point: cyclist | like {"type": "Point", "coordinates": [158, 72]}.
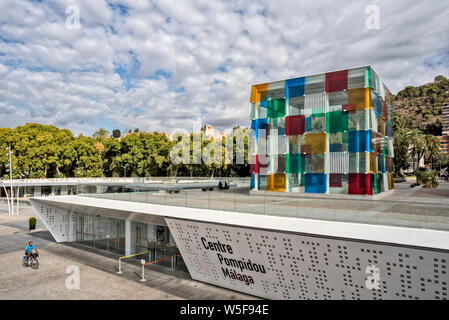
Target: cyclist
{"type": "Point", "coordinates": [29, 251]}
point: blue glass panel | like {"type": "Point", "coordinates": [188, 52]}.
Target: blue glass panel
{"type": "Point", "coordinates": [335, 147]}
{"type": "Point", "coordinates": [382, 163]}
{"type": "Point", "coordinates": [254, 128]}
{"type": "Point", "coordinates": [354, 139]}
{"type": "Point", "coordinates": [294, 87]}
{"type": "Point", "coordinates": [253, 179]}
{"type": "Point", "coordinates": [308, 124]}
{"type": "Point", "coordinates": [388, 130]}
{"type": "Point", "coordinates": [315, 183]}
{"type": "Point", "coordinates": [263, 104]}
{"type": "Point", "coordinates": [281, 131]}
{"type": "Point", "coordinates": [360, 141]}
{"type": "Point", "coordinates": [258, 124]}
{"type": "Point", "coordinates": [368, 141]}
{"type": "Point", "coordinates": [378, 106]}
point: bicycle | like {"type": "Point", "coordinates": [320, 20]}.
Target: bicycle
{"type": "Point", "coordinates": [34, 262]}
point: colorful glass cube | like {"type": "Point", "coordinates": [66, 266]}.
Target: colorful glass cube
{"type": "Point", "coordinates": [326, 133]}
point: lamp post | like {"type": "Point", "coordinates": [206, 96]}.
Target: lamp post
{"type": "Point", "coordinates": [10, 178]}
{"type": "Point", "coordinates": [7, 197]}
{"type": "Point", "coordinates": [124, 168]}
{"type": "Point", "coordinates": [22, 176]}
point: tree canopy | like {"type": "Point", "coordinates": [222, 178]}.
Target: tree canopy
{"type": "Point", "coordinates": [42, 151]}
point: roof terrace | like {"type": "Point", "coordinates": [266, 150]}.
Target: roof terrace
{"type": "Point", "coordinates": [406, 207]}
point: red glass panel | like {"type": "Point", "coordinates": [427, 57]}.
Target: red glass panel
{"type": "Point", "coordinates": [384, 111]}
{"type": "Point", "coordinates": [254, 167]}
{"type": "Point", "coordinates": [378, 143]}
{"type": "Point", "coordinates": [294, 125]}
{"type": "Point", "coordinates": [337, 81]}
{"type": "Point", "coordinates": [360, 183]}
{"type": "Point", "coordinates": [336, 180]}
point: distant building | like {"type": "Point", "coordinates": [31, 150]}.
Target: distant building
{"type": "Point", "coordinates": [445, 120]}
{"type": "Point", "coordinates": [444, 144]}
{"type": "Point", "coordinates": [209, 131]}
{"type": "Point", "coordinates": [444, 139]}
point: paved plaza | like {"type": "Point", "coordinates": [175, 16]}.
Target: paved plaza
{"type": "Point", "coordinates": [97, 269]}
{"type": "Point", "coordinates": [414, 207]}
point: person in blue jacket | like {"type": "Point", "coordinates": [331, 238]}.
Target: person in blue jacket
{"type": "Point", "coordinates": [29, 250]}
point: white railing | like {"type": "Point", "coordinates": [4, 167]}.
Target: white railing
{"type": "Point", "coordinates": [120, 180]}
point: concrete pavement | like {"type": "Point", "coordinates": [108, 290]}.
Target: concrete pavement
{"type": "Point", "coordinates": [97, 270]}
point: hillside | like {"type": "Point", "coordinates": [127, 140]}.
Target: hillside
{"type": "Point", "coordinates": [420, 107]}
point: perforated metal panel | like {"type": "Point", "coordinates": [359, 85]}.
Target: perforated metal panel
{"type": "Point", "coordinates": [57, 221]}
{"type": "Point", "coordinates": [310, 267]}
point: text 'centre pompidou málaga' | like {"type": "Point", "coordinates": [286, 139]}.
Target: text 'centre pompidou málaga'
{"type": "Point", "coordinates": [326, 133]}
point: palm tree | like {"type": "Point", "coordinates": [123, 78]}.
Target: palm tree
{"type": "Point", "coordinates": [418, 146]}
{"type": "Point", "coordinates": [401, 150]}
{"type": "Point", "coordinates": [432, 147]}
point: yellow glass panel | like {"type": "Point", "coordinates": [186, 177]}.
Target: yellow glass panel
{"type": "Point", "coordinates": [368, 98]}
{"type": "Point", "coordinates": [390, 181]}
{"type": "Point", "coordinates": [276, 182]}
{"type": "Point", "coordinates": [252, 99]}
{"type": "Point", "coordinates": [259, 93]}
{"type": "Point", "coordinates": [359, 99]}
{"type": "Point", "coordinates": [316, 142]}
{"type": "Point", "coordinates": [372, 163]}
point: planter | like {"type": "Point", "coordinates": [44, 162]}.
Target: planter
{"type": "Point", "coordinates": [418, 181]}
{"type": "Point", "coordinates": [429, 184]}
{"type": "Point", "coordinates": [32, 223]}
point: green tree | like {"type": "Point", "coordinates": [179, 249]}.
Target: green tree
{"type": "Point", "coordinates": [432, 148]}
{"type": "Point", "coordinates": [88, 161]}
{"type": "Point", "coordinates": [101, 133]}
{"type": "Point", "coordinates": [401, 153]}
{"type": "Point", "coordinates": [418, 146]}
{"type": "Point", "coordinates": [116, 133]}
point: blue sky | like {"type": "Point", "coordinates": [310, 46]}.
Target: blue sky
{"type": "Point", "coordinates": [160, 65]}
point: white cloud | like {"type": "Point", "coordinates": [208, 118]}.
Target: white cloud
{"type": "Point", "coordinates": [212, 51]}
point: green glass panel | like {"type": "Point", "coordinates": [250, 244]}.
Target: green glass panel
{"type": "Point", "coordinates": [276, 108]}
{"type": "Point", "coordinates": [295, 163]}
{"type": "Point", "coordinates": [303, 180]}
{"type": "Point", "coordinates": [338, 121]}
{"type": "Point", "coordinates": [345, 138]}
{"type": "Point", "coordinates": [377, 183]}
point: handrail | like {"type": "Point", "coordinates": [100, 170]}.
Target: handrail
{"type": "Point", "coordinates": [276, 205]}
{"type": "Point", "coordinates": [129, 256]}
{"type": "Point", "coordinates": [177, 255]}
{"type": "Point", "coordinates": [133, 255]}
